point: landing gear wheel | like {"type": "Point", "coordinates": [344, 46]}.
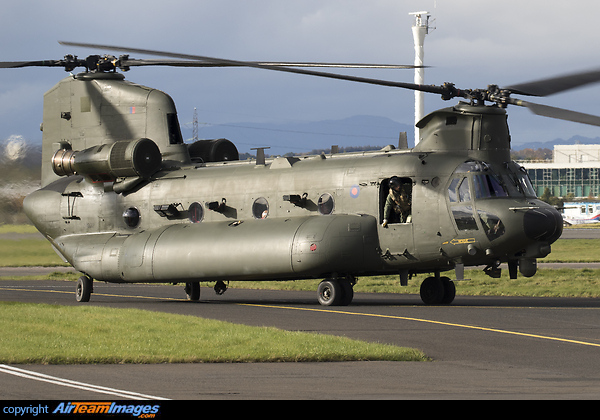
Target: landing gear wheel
{"type": "Point", "coordinates": [432, 291]}
{"type": "Point", "coordinates": [449, 291]}
{"type": "Point", "coordinates": [437, 290]}
{"type": "Point", "coordinates": [329, 292]}
{"type": "Point", "coordinates": [347, 292]}
{"type": "Point", "coordinates": [84, 289]}
{"type": "Point", "coordinates": [192, 291]}
{"type": "Point", "coordinates": [333, 292]}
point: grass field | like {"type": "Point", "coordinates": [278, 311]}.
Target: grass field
{"type": "Point", "coordinates": [574, 250]}
{"type": "Point", "coordinates": [53, 334]}
{"type": "Point", "coordinates": [17, 229]}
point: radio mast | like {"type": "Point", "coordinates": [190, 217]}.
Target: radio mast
{"type": "Point", "coordinates": [419, 30]}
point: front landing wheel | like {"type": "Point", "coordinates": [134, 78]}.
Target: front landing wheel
{"type": "Point", "coordinates": [85, 287]}
{"type": "Point", "coordinates": [437, 290]}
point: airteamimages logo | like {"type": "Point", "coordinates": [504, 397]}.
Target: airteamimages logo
{"type": "Point", "coordinates": [142, 411]}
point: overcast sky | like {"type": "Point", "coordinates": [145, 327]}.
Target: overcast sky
{"type": "Point", "coordinates": [476, 43]}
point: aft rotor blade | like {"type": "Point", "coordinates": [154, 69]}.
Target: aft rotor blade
{"type": "Point", "coordinates": [39, 63]}
{"type": "Point", "coordinates": [545, 87]}
{"type": "Point", "coordinates": [423, 88]}
{"type": "Point", "coordinates": [558, 113]}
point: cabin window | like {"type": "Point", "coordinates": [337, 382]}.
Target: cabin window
{"type": "Point", "coordinates": [396, 207]}
{"type": "Point", "coordinates": [196, 212]}
{"type": "Point", "coordinates": [260, 208]}
{"type": "Point", "coordinates": [325, 204]}
{"type": "Point", "coordinates": [131, 216]}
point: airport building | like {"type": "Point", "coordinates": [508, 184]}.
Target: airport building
{"type": "Point", "coordinates": [574, 169]}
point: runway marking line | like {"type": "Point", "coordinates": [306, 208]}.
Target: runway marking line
{"type": "Point", "coordinates": [28, 374]}
{"type": "Point", "coordinates": [429, 321]}
{"type": "Point", "coordinates": [18, 289]}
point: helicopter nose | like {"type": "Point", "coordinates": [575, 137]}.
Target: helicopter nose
{"type": "Point", "coordinates": [544, 224]}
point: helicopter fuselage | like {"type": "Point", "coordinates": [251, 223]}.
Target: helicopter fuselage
{"type": "Point", "coordinates": [279, 219]}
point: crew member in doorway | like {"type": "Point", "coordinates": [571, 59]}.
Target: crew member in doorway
{"type": "Point", "coordinates": [397, 204]}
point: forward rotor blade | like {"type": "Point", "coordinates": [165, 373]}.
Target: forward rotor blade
{"type": "Point", "coordinates": [554, 85]}
{"type": "Point", "coordinates": [558, 113]}
{"type": "Point", "coordinates": [197, 63]}
{"type": "Point", "coordinates": [221, 61]}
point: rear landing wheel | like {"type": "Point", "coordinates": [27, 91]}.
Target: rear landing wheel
{"type": "Point", "coordinates": [84, 289]}
{"type": "Point", "coordinates": [329, 292]}
{"type": "Point", "coordinates": [335, 292]}
{"type": "Point", "coordinates": [192, 291]}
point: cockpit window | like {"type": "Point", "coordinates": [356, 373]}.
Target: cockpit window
{"type": "Point", "coordinates": [519, 178]}
{"type": "Point", "coordinates": [471, 166]}
{"type": "Point", "coordinates": [463, 216]}
{"type": "Point", "coordinates": [487, 186]}
{"type": "Point", "coordinates": [526, 183]}
{"type": "Point", "coordinates": [492, 225]}
{"type": "Point", "coordinates": [459, 191]}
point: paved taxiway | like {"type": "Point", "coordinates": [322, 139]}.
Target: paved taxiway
{"type": "Point", "coordinates": [483, 347]}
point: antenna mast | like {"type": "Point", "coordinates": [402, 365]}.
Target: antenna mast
{"type": "Point", "coordinates": [419, 30]}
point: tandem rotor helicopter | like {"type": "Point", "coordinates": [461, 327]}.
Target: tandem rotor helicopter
{"type": "Point", "coordinates": [123, 199]}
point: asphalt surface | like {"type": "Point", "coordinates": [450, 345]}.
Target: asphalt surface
{"type": "Point", "coordinates": [482, 348]}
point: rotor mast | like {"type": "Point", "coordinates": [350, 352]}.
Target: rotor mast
{"type": "Point", "coordinates": [419, 30]}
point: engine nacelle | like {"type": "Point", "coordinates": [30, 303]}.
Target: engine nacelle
{"type": "Point", "coordinates": [107, 162]}
{"type": "Point", "coordinates": [219, 150]}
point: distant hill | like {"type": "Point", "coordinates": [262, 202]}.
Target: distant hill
{"type": "Point", "coordinates": [550, 144]}
{"type": "Point", "coordinates": [356, 131]}
{"type": "Point", "coordinates": [299, 137]}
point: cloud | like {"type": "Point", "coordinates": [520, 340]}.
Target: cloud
{"type": "Point", "coordinates": [475, 43]}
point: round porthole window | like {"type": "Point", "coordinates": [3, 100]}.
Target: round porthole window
{"type": "Point", "coordinates": [260, 208]}
{"type": "Point", "coordinates": [195, 213]}
{"type": "Point", "coordinates": [131, 216]}
{"type": "Point", "coordinates": [325, 204]}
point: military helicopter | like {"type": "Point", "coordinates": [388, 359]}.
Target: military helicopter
{"type": "Point", "coordinates": [124, 199]}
